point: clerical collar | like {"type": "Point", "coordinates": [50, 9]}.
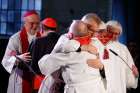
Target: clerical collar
{"type": "Point", "coordinates": [31, 37]}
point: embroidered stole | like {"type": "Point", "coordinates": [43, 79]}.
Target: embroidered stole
{"type": "Point", "coordinates": [27, 77]}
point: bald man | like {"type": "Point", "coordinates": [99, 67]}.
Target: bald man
{"type": "Point", "coordinates": [17, 48]}
{"type": "Point", "coordinates": [93, 22]}
{"type": "Point", "coordinates": [78, 76]}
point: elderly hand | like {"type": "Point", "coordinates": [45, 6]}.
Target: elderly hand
{"type": "Point", "coordinates": [25, 57]}
{"type": "Point", "coordinates": [95, 63]}
{"type": "Point", "coordinates": [135, 71]}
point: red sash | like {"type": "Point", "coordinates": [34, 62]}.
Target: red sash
{"type": "Point", "coordinates": [24, 39]}
{"type": "Point", "coordinates": [104, 41]}
{"type": "Point", "coordinates": [26, 84]}
{"type": "Point", "coordinates": [83, 40]}
{"type": "Point", "coordinates": [37, 81]}
{"type": "Point", "coordinates": [106, 54]}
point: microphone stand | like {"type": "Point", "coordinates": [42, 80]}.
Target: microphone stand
{"type": "Point", "coordinates": [120, 58]}
{"type": "Point", "coordinates": [123, 60]}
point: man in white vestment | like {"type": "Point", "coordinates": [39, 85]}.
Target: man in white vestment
{"type": "Point", "coordinates": [93, 23]}
{"type": "Point", "coordinates": [119, 74]}
{"type": "Point", "coordinates": [78, 76]}
{"type": "Point", "coordinates": [20, 76]}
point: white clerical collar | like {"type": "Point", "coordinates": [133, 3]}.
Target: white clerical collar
{"type": "Point", "coordinates": [31, 37]}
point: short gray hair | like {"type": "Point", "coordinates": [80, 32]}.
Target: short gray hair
{"type": "Point", "coordinates": [92, 16]}
{"type": "Point", "coordinates": [115, 24]}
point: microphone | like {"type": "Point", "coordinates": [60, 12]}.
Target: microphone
{"type": "Point", "coordinates": [113, 52]}
{"type": "Point", "coordinates": [120, 58]}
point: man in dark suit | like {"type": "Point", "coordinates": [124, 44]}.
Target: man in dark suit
{"type": "Point", "coordinates": [42, 46]}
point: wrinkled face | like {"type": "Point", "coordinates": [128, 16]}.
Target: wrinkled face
{"type": "Point", "coordinates": [32, 23]}
{"type": "Point", "coordinates": [104, 36]}
{"type": "Point", "coordinates": [115, 32]}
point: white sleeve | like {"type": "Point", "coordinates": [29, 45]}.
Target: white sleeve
{"type": "Point", "coordinates": [52, 62]}
{"type": "Point", "coordinates": [9, 59]}
{"type": "Point", "coordinates": [131, 80]}
{"type": "Point", "coordinates": [70, 46]}
{"type": "Point", "coordinates": [58, 46]}
{"type": "Point", "coordinates": [46, 85]}
{"type": "Point", "coordinates": [47, 65]}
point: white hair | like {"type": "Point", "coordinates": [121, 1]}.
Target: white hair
{"type": "Point", "coordinates": [115, 24]}
{"type": "Point", "coordinates": [89, 17]}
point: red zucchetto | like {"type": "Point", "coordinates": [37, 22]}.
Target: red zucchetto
{"type": "Point", "coordinates": [49, 22]}
{"type": "Point", "coordinates": [29, 13]}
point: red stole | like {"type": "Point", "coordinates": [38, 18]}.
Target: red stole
{"type": "Point", "coordinates": [24, 39]}
{"type": "Point", "coordinates": [106, 54]}
{"type": "Point", "coordinates": [104, 41]}
{"type": "Point", "coordinates": [85, 40]}
{"type": "Point", "coordinates": [26, 84]}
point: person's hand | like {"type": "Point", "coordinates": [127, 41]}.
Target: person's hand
{"type": "Point", "coordinates": [25, 57]}
{"type": "Point", "coordinates": [95, 63]}
{"type": "Point", "coordinates": [135, 71]}
{"type": "Point", "coordinates": [90, 48]}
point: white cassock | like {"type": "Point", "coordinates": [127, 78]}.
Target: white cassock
{"type": "Point", "coordinates": [9, 61]}
{"type": "Point", "coordinates": [49, 80]}
{"type": "Point", "coordinates": [118, 75]}
{"type": "Point", "coordinates": [61, 41]}
{"type": "Point", "coordinates": [79, 78]}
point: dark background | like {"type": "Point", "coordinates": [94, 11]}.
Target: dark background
{"type": "Point", "coordinates": [125, 11]}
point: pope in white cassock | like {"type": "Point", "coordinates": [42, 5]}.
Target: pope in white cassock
{"type": "Point", "coordinates": [119, 75]}
{"type": "Point", "coordinates": [78, 76]}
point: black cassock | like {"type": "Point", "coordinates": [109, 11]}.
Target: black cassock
{"type": "Point", "coordinates": [38, 49]}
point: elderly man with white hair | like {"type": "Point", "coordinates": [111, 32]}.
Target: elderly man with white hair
{"type": "Point", "coordinates": [127, 74]}
{"type": "Point", "coordinates": [121, 73]}
{"type": "Point", "coordinates": [115, 28]}
{"type": "Point", "coordinates": [17, 48]}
